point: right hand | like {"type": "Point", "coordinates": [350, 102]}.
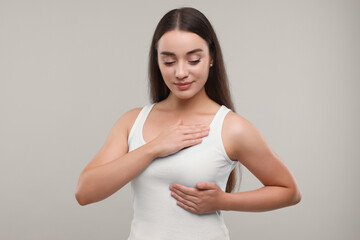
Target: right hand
{"type": "Point", "coordinates": [177, 137]}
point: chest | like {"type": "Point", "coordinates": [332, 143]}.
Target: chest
{"type": "Point", "coordinates": [157, 121]}
{"type": "Point", "coordinates": [200, 163]}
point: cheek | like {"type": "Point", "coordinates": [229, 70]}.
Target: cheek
{"type": "Point", "coordinates": [166, 73]}
{"type": "Point", "coordinates": [202, 72]}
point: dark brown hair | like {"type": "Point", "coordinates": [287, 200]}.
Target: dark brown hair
{"type": "Point", "coordinates": [216, 86]}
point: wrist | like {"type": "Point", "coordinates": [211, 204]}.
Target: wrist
{"type": "Point", "coordinates": [152, 150]}
{"type": "Point", "coordinates": [224, 203]}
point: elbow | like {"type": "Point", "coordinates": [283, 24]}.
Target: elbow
{"type": "Point", "coordinates": [83, 192]}
{"type": "Point", "coordinates": [80, 197]}
{"type": "Point", "coordinates": [296, 197]}
{"type": "Point", "coordinates": [80, 200]}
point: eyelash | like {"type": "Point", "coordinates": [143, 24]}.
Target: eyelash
{"type": "Point", "coordinates": [195, 62]}
{"type": "Point", "coordinates": [191, 62]}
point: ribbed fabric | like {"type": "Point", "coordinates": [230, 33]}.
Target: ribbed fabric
{"type": "Point", "coordinates": [156, 214]}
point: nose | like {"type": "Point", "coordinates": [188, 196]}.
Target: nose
{"type": "Point", "coordinates": [181, 70]}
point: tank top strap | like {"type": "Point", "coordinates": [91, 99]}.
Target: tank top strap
{"type": "Point", "coordinates": [140, 120]}
{"type": "Point", "coordinates": [219, 117]}
{"type": "Point", "coordinates": [216, 128]}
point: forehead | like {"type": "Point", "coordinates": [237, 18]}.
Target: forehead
{"type": "Point", "coordinates": [181, 42]}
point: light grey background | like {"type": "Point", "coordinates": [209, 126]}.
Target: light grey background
{"type": "Point", "coordinates": [70, 69]}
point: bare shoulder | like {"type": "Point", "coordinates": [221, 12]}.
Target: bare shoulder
{"type": "Point", "coordinates": [240, 136]}
{"type": "Point", "coordinates": [235, 123]}
{"type": "Point", "coordinates": [126, 121]}
{"type": "Point", "coordinates": [116, 143]}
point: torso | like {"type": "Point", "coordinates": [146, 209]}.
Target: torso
{"type": "Point", "coordinates": [156, 214]}
{"type": "Point", "coordinates": [160, 118]}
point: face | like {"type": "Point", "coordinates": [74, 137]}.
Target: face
{"type": "Point", "coordinates": [184, 61]}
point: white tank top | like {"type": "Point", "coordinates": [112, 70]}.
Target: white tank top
{"type": "Point", "coordinates": [156, 214]}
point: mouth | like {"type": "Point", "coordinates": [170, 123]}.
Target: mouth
{"type": "Point", "coordinates": [183, 85]}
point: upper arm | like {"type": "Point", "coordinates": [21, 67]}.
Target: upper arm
{"type": "Point", "coordinates": [116, 144]}
{"type": "Point", "coordinates": [243, 142]}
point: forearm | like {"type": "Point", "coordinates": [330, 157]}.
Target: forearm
{"type": "Point", "coordinates": [263, 199]}
{"type": "Point", "coordinates": [100, 182]}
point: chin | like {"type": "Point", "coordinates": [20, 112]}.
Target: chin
{"type": "Point", "coordinates": [184, 95]}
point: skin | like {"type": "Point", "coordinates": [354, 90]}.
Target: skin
{"type": "Point", "coordinates": [180, 121]}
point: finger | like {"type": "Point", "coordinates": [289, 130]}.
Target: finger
{"type": "Point", "coordinates": [184, 189]}
{"type": "Point", "coordinates": [191, 142]}
{"type": "Point", "coordinates": [191, 209]}
{"type": "Point", "coordinates": [200, 125]}
{"type": "Point", "coordinates": [206, 185]}
{"type": "Point", "coordinates": [197, 126]}
{"type": "Point", "coordinates": [195, 135]}
{"type": "Point", "coordinates": [185, 199]}
{"type": "Point", "coordinates": [180, 195]}
{"type": "Point", "coordinates": [197, 130]}
{"type": "Point", "coordinates": [193, 129]}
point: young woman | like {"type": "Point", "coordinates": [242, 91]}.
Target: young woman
{"type": "Point", "coordinates": [179, 153]}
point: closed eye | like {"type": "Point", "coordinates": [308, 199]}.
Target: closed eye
{"type": "Point", "coordinates": [194, 62]}
{"type": "Point", "coordinates": [169, 63]}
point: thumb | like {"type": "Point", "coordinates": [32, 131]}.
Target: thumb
{"type": "Point", "coordinates": [205, 185]}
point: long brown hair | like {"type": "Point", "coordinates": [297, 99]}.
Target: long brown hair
{"type": "Point", "coordinates": [216, 86]}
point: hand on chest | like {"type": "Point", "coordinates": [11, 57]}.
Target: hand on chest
{"type": "Point", "coordinates": [199, 163]}
{"type": "Point", "coordinates": [157, 122]}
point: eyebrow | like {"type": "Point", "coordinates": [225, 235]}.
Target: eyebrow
{"type": "Point", "coordinates": [188, 53]}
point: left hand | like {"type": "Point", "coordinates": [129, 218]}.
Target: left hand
{"type": "Point", "coordinates": [206, 197]}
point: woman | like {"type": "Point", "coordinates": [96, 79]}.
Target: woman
{"type": "Point", "coordinates": [179, 151]}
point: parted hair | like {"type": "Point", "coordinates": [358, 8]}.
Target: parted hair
{"type": "Point", "coordinates": [216, 86]}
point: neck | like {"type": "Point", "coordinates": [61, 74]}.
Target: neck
{"type": "Point", "coordinates": [196, 103]}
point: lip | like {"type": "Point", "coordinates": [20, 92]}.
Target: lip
{"type": "Point", "coordinates": [183, 85]}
